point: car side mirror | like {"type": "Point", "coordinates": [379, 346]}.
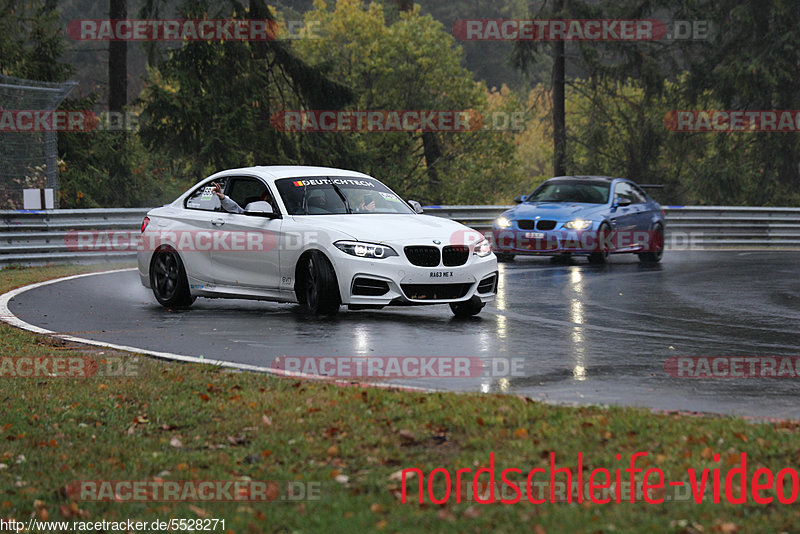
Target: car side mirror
{"type": "Point", "coordinates": [416, 205]}
{"type": "Point", "coordinates": [520, 199]}
{"type": "Point", "coordinates": [620, 202]}
{"type": "Point", "coordinates": [261, 207]}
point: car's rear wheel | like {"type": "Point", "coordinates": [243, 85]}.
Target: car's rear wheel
{"type": "Point", "coordinates": [503, 257]}
{"type": "Point", "coordinates": [168, 279]}
{"type": "Point", "coordinates": [468, 308]}
{"type": "Point", "coordinates": [601, 256]}
{"type": "Point", "coordinates": [656, 247]}
{"type": "Point", "coordinates": [317, 288]}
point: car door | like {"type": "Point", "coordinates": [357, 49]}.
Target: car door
{"type": "Point", "coordinates": [644, 208]}
{"type": "Point", "coordinates": [625, 215]}
{"type": "Point", "coordinates": [246, 250]}
{"type": "Point", "coordinates": [190, 231]}
{"type": "Point", "coordinates": [624, 209]}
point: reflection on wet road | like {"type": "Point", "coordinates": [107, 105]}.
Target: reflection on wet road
{"type": "Point", "coordinates": [579, 332]}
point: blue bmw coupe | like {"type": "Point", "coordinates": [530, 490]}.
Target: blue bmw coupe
{"type": "Point", "coordinates": [582, 215]}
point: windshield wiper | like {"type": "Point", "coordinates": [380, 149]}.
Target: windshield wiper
{"type": "Point", "coordinates": [341, 195]}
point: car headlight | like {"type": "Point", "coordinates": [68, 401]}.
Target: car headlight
{"type": "Point", "coordinates": [578, 224]}
{"type": "Point", "coordinates": [503, 222]}
{"type": "Point", "coordinates": [482, 248]}
{"type": "Point", "coordinates": [365, 250]}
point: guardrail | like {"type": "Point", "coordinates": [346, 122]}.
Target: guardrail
{"type": "Point", "coordinates": [39, 237]}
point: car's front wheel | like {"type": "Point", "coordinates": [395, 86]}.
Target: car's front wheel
{"type": "Point", "coordinates": [656, 248]}
{"type": "Point", "coordinates": [601, 256]}
{"type": "Point", "coordinates": [168, 279]}
{"type": "Point", "coordinates": [317, 287]}
{"type": "Point", "coordinates": [468, 308]}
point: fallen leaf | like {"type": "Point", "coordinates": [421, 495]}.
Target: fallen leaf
{"type": "Point", "coordinates": [472, 512]}
{"type": "Point", "coordinates": [176, 442]}
{"type": "Point", "coordinates": [237, 440]}
{"type": "Point", "coordinates": [446, 515]}
{"type": "Point", "coordinates": [198, 511]}
{"type": "Point", "coordinates": [398, 475]}
{"type": "Point", "coordinates": [407, 437]}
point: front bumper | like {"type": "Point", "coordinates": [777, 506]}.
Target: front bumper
{"type": "Point", "coordinates": [395, 281]}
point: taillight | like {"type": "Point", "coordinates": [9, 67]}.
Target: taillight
{"type": "Point", "coordinates": [145, 222]}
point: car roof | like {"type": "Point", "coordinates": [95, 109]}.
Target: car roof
{"type": "Point", "coordinates": [275, 172]}
{"type": "Point", "coordinates": [585, 178]}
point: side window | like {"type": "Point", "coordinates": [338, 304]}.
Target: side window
{"type": "Point", "coordinates": [639, 194]}
{"type": "Point", "coordinates": [244, 190]}
{"type": "Point", "coordinates": [203, 198]}
{"type": "Point", "coordinates": [625, 191]}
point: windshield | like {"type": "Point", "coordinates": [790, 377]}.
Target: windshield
{"type": "Point", "coordinates": [338, 195]}
{"type": "Point", "coordinates": [563, 191]}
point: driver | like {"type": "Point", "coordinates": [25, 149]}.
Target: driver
{"type": "Point", "coordinates": [367, 203]}
{"type": "Point", "coordinates": [230, 205]}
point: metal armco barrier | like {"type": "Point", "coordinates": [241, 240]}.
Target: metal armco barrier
{"type": "Point", "coordinates": [39, 237]}
{"type": "Point", "coordinates": [688, 227]}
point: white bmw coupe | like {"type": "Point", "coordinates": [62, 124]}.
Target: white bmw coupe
{"type": "Point", "coordinates": [319, 236]}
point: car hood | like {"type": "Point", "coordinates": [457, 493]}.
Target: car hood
{"type": "Point", "coordinates": [385, 228]}
{"type": "Point", "coordinates": [557, 211]}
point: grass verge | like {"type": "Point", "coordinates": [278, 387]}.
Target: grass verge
{"type": "Point", "coordinates": [344, 446]}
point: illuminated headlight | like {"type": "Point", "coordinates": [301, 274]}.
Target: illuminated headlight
{"type": "Point", "coordinates": [482, 248]}
{"type": "Point", "coordinates": [578, 224]}
{"type": "Point", "coordinates": [365, 250]}
{"type": "Point", "coordinates": [503, 222]}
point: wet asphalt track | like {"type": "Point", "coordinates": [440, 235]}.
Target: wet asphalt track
{"type": "Point", "coordinates": [584, 334]}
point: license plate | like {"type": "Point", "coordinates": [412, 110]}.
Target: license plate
{"type": "Point", "coordinates": [534, 235]}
